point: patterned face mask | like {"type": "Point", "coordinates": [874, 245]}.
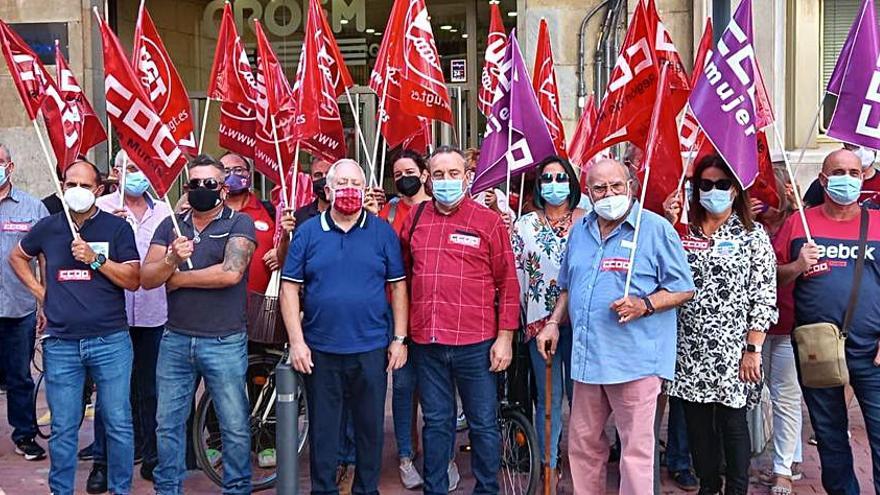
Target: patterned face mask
{"type": "Point", "coordinates": [348, 200]}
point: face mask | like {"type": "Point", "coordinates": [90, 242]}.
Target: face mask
{"type": "Point", "coordinates": [843, 189]}
{"type": "Point", "coordinates": [348, 200]}
{"type": "Point", "coordinates": [79, 199]}
{"type": "Point", "coordinates": [136, 183]}
{"type": "Point", "coordinates": [866, 156]}
{"type": "Point", "coordinates": [4, 178]}
{"type": "Point", "coordinates": [612, 207]}
{"type": "Point", "coordinates": [408, 185]}
{"type": "Point", "coordinates": [555, 193]}
{"type": "Point", "coordinates": [716, 201]}
{"type": "Point", "coordinates": [448, 192]}
{"type": "Point", "coordinates": [238, 183]}
{"type": "Point", "coordinates": [202, 199]}
{"type": "Point", "coordinates": [318, 189]}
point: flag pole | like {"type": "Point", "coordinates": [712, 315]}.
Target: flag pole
{"type": "Point", "coordinates": [382, 168]}
{"type": "Point", "coordinates": [814, 125]}
{"type": "Point", "coordinates": [278, 157]}
{"type": "Point", "coordinates": [204, 124]}
{"type": "Point", "coordinates": [522, 187]}
{"type": "Point", "coordinates": [122, 175]}
{"type": "Point", "coordinates": [360, 133]}
{"type": "Point", "coordinates": [55, 182]}
{"type": "Point", "coordinates": [189, 263]}
{"type": "Point", "coordinates": [294, 177]}
{"type": "Point", "coordinates": [379, 125]}
{"type": "Point", "coordinates": [797, 195]}
{"type": "Point", "coordinates": [649, 156]}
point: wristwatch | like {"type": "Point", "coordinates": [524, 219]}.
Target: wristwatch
{"type": "Point", "coordinates": [649, 308]}
{"type": "Point", "coordinates": [401, 339]}
{"type": "Point", "coordinates": [100, 259]}
{"type": "Point", "coordinates": [754, 348]}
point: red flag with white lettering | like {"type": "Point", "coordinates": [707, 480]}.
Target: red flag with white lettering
{"type": "Point", "coordinates": [662, 150]}
{"type": "Point", "coordinates": [279, 96]}
{"type": "Point", "coordinates": [330, 57]}
{"type": "Point", "coordinates": [91, 130]}
{"type": "Point", "coordinates": [544, 82]}
{"type": "Point", "coordinates": [667, 54]}
{"type": "Point", "coordinates": [423, 89]}
{"type": "Point", "coordinates": [690, 135]}
{"type": "Point", "coordinates": [163, 85]}
{"type": "Point", "coordinates": [27, 71]}
{"type": "Point", "coordinates": [142, 134]}
{"type": "Point", "coordinates": [495, 46]}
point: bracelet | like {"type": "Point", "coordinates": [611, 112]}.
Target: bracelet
{"type": "Point", "coordinates": [553, 322]}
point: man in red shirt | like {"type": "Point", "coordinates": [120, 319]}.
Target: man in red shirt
{"type": "Point", "coordinates": [460, 263]}
{"type": "Point", "coordinates": [242, 199]}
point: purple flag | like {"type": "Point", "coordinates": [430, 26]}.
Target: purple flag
{"type": "Point", "coordinates": [516, 134]}
{"type": "Point", "coordinates": [843, 59]}
{"type": "Point", "coordinates": [723, 100]}
{"type": "Point", "coordinates": [856, 118]}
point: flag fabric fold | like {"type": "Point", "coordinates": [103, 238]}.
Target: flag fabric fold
{"type": "Point", "coordinates": [495, 45]}
{"type": "Point", "coordinates": [423, 91]}
{"type": "Point", "coordinates": [28, 73]}
{"type": "Point", "coordinates": [274, 101]}
{"type": "Point", "coordinates": [547, 90]}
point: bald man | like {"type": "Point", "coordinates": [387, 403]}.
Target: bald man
{"type": "Point", "coordinates": [815, 194]}
{"type": "Point", "coordinates": [342, 262]}
{"type": "Point", "coordinates": [823, 275]}
{"type": "Point", "coordinates": [623, 346]}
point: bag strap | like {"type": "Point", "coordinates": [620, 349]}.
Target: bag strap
{"type": "Point", "coordinates": [412, 228]}
{"type": "Point", "coordinates": [860, 267]}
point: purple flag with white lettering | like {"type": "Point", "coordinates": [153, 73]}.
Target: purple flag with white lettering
{"type": "Point", "coordinates": [516, 134]}
{"type": "Point", "coordinates": [723, 99]}
{"type": "Point", "coordinates": [843, 59]}
{"type": "Point", "coordinates": [856, 118]}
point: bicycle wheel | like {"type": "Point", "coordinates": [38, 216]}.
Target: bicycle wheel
{"type": "Point", "coordinates": [261, 395]}
{"type": "Point", "coordinates": [520, 459]}
{"type": "Point", "coordinates": [43, 431]}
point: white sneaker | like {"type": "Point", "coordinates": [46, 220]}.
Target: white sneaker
{"type": "Point", "coordinates": [409, 475]}
{"type": "Point", "coordinates": [266, 458]}
{"type": "Point", "coordinates": [454, 477]}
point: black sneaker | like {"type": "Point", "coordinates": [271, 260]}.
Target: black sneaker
{"type": "Point", "coordinates": [30, 450]}
{"type": "Point", "coordinates": [147, 469]}
{"type": "Point", "coordinates": [87, 453]}
{"type": "Point", "coordinates": [686, 480]}
{"type": "Point", "coordinates": [97, 482]}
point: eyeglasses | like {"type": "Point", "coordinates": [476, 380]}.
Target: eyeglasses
{"type": "Point", "coordinates": [615, 188]}
{"type": "Point", "coordinates": [548, 178]}
{"type": "Point", "coordinates": [707, 185]}
{"type": "Point", "coordinates": [209, 183]}
{"type": "Point", "coordinates": [236, 171]}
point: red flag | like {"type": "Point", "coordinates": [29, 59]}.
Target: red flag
{"type": "Point", "coordinates": [164, 87]}
{"type": "Point", "coordinates": [92, 131]}
{"type": "Point", "coordinates": [273, 99]}
{"type": "Point", "coordinates": [331, 59]}
{"type": "Point", "coordinates": [27, 71]}
{"type": "Point", "coordinates": [544, 82]}
{"type": "Point", "coordinates": [278, 94]}
{"type": "Point", "coordinates": [764, 187]}
{"type": "Point", "coordinates": [495, 47]}
{"type": "Point", "coordinates": [690, 135]}
{"type": "Point", "coordinates": [318, 124]}
{"type": "Point", "coordinates": [704, 48]}
{"type": "Point", "coordinates": [668, 54]}
{"type": "Point", "coordinates": [662, 148]}
{"type": "Point", "coordinates": [423, 89]}
{"type": "Point", "coordinates": [142, 134]}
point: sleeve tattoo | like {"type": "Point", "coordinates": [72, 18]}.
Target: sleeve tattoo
{"type": "Point", "coordinates": [237, 256]}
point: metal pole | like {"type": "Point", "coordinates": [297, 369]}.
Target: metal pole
{"type": "Point", "coordinates": [287, 430]}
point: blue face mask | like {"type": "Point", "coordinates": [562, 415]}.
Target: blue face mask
{"type": "Point", "coordinates": [555, 193]}
{"type": "Point", "coordinates": [843, 189]}
{"type": "Point", "coordinates": [447, 192]}
{"type": "Point", "coordinates": [716, 201]}
{"type": "Point", "coordinates": [3, 176]}
{"type": "Point", "coordinates": [688, 191]}
{"type": "Point", "coordinates": [136, 183]}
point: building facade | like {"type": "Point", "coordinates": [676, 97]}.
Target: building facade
{"type": "Point", "coordinates": [797, 44]}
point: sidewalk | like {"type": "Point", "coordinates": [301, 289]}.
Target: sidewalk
{"type": "Point", "coordinates": [20, 477]}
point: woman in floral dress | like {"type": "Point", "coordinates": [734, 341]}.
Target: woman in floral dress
{"type": "Point", "coordinates": [539, 242]}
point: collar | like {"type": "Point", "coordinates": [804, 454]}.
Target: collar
{"type": "Point", "coordinates": [151, 203]}
{"type": "Point", "coordinates": [466, 201]}
{"type": "Point", "coordinates": [327, 222]}
{"type": "Point", "coordinates": [224, 212]}
{"type": "Point", "coordinates": [14, 194]}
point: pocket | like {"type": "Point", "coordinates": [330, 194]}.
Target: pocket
{"type": "Point", "coordinates": [233, 338]}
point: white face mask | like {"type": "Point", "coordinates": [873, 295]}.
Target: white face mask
{"type": "Point", "coordinates": [867, 156]}
{"type": "Point", "coordinates": [612, 207]}
{"type": "Point", "coordinates": [79, 199]}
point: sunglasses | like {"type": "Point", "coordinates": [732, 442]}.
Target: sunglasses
{"type": "Point", "coordinates": [209, 183]}
{"type": "Point", "coordinates": [548, 178]}
{"type": "Point", "coordinates": [707, 185]}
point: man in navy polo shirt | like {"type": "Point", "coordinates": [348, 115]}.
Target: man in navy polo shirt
{"type": "Point", "coordinates": [342, 262]}
{"type": "Point", "coordinates": [206, 331]}
{"type": "Point", "coordinates": [86, 327]}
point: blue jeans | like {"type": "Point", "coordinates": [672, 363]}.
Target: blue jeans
{"type": "Point", "coordinates": [403, 405]}
{"type": "Point", "coordinates": [222, 362]}
{"type": "Point", "coordinates": [17, 337]}
{"type": "Point", "coordinates": [828, 414]}
{"type": "Point", "coordinates": [360, 381]}
{"type": "Point", "coordinates": [561, 377]}
{"type": "Point", "coordinates": [440, 369]}
{"type": "Point", "coordinates": [107, 360]}
{"type": "Point", "coordinates": [678, 455]}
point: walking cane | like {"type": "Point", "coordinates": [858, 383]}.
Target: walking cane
{"type": "Point", "coordinates": [548, 401]}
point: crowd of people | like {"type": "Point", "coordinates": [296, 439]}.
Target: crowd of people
{"type": "Point", "coordinates": [435, 287]}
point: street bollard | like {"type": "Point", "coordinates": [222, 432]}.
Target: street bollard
{"type": "Point", "coordinates": [286, 430]}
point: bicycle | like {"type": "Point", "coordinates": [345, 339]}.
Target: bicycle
{"type": "Point", "coordinates": [262, 397]}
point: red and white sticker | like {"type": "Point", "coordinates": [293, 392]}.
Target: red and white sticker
{"type": "Point", "coordinates": [15, 226]}
{"type": "Point", "coordinates": [817, 269]}
{"type": "Point", "coordinates": [615, 265]}
{"type": "Point", "coordinates": [465, 240]}
{"type": "Point", "coordinates": [690, 243]}
{"type": "Point", "coordinates": [74, 275]}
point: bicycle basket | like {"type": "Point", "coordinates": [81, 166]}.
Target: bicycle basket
{"type": "Point", "coordinates": [265, 324]}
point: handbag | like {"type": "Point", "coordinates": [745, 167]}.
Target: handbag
{"type": "Point", "coordinates": [821, 346]}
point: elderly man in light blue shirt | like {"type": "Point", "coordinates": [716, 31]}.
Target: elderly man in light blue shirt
{"type": "Point", "coordinates": [622, 347]}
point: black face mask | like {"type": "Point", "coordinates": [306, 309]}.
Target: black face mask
{"type": "Point", "coordinates": [408, 185]}
{"type": "Point", "coordinates": [202, 199]}
{"type": "Point", "coordinates": [318, 189]}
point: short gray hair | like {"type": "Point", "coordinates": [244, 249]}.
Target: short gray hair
{"type": "Point", "coordinates": [5, 149]}
{"type": "Point", "coordinates": [331, 174]}
{"type": "Point", "coordinates": [121, 159]}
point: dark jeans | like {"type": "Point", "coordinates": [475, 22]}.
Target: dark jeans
{"type": "Point", "coordinates": [710, 426]}
{"type": "Point", "coordinates": [17, 337]}
{"type": "Point", "coordinates": [441, 369]}
{"type": "Point", "coordinates": [828, 414]}
{"type": "Point", "coordinates": [678, 456]}
{"type": "Point", "coordinates": [360, 379]}
{"type": "Point", "coordinates": [145, 343]}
